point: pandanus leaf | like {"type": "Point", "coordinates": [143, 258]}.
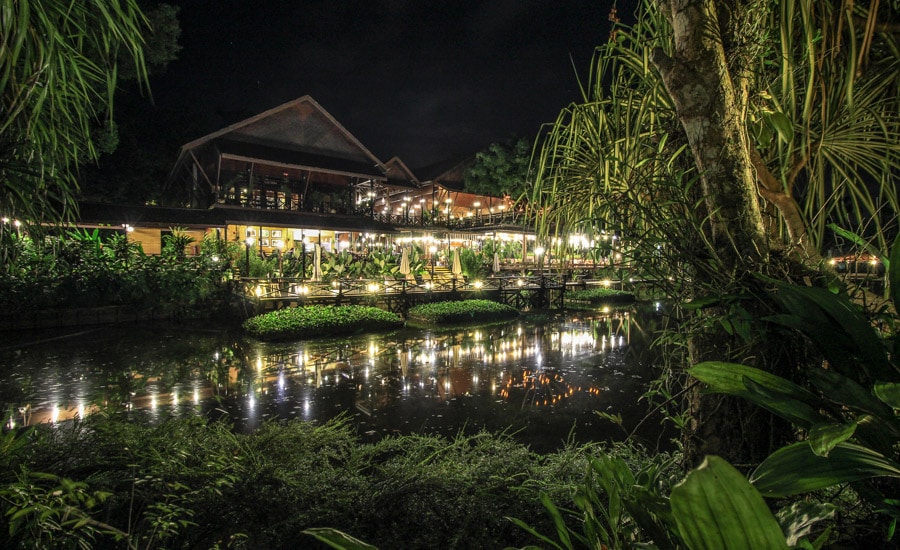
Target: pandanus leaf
{"type": "Point", "coordinates": [894, 272]}
{"type": "Point", "coordinates": [338, 539]}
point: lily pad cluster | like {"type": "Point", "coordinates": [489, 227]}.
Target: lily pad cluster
{"type": "Point", "coordinates": [308, 321]}
{"type": "Point", "coordinates": [601, 295]}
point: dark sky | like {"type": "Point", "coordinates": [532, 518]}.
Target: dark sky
{"type": "Point", "coordinates": [420, 79]}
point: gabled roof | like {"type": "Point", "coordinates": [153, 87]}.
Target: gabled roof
{"type": "Point", "coordinates": [450, 173]}
{"type": "Point", "coordinates": [398, 173]}
{"type": "Point", "coordinates": [299, 127]}
{"type": "Point", "coordinates": [253, 152]}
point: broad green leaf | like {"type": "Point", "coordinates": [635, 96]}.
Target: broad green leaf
{"type": "Point", "coordinates": [795, 469]}
{"type": "Point", "coordinates": [847, 392]}
{"type": "Point", "coordinates": [837, 327]}
{"type": "Point", "coordinates": [793, 401]}
{"type": "Point", "coordinates": [824, 437]}
{"type": "Point", "coordinates": [716, 508]}
{"type": "Point", "coordinates": [797, 519]}
{"type": "Point", "coordinates": [877, 433]}
{"type": "Point", "coordinates": [889, 392]}
{"type": "Point", "coordinates": [783, 405]}
{"type": "Point", "coordinates": [338, 539]}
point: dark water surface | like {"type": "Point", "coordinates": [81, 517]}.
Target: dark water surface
{"type": "Point", "coordinates": [542, 379]}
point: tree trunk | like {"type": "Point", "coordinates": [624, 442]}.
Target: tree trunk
{"type": "Point", "coordinates": [713, 116]}
{"type": "Point", "coordinates": [712, 111]}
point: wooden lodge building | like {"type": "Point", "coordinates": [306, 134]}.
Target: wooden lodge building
{"type": "Point", "coordinates": [294, 174]}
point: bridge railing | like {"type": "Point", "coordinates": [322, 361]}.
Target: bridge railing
{"type": "Point", "coordinates": [288, 288]}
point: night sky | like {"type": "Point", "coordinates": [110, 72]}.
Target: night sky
{"type": "Point", "coordinates": [422, 80]}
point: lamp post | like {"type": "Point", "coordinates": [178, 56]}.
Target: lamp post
{"type": "Point", "coordinates": [248, 242]}
{"type": "Point", "coordinates": [448, 201]}
{"type": "Point", "coordinates": [432, 249]}
{"type": "Point", "coordinates": [302, 257]}
{"type": "Point", "coordinates": [477, 206]}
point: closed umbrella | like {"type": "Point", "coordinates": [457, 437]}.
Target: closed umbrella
{"type": "Point", "coordinates": [317, 266]}
{"type": "Point", "coordinates": [496, 263]}
{"type": "Point", "coordinates": [404, 263]}
{"type": "Point", "coordinates": [457, 267]}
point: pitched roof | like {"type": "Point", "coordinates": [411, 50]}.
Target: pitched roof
{"type": "Point", "coordinates": [301, 127]}
{"type": "Point", "coordinates": [301, 159]}
{"type": "Point", "coordinates": [399, 174]}
{"type": "Point", "coordinates": [450, 173]}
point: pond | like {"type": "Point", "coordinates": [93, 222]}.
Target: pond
{"type": "Point", "coordinates": [540, 379]}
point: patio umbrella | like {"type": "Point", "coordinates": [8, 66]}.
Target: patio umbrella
{"type": "Point", "coordinates": [457, 267]}
{"type": "Point", "coordinates": [404, 264]}
{"type": "Point", "coordinates": [496, 267]}
{"type": "Point", "coordinates": [317, 266]}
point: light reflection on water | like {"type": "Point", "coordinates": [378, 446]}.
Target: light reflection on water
{"type": "Point", "coordinates": [538, 381]}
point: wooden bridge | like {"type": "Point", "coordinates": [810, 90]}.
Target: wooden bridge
{"type": "Point", "coordinates": [399, 294]}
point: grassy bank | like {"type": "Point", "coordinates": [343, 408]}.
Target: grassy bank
{"type": "Point", "coordinates": [193, 484]}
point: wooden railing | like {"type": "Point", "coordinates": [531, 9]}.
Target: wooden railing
{"type": "Point", "coordinates": [289, 288]}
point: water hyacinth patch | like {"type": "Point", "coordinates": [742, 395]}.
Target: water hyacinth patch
{"type": "Point", "coordinates": [308, 321]}
{"type": "Point", "coordinates": [462, 311]}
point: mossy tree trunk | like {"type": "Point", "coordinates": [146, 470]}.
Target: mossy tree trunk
{"type": "Point", "coordinates": [711, 105]}
{"type": "Point", "coordinates": [710, 95]}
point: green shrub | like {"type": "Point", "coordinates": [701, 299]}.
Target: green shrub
{"type": "Point", "coordinates": [307, 321]}
{"type": "Point", "coordinates": [600, 295]}
{"type": "Point", "coordinates": [86, 269]}
{"type": "Point", "coordinates": [461, 311]}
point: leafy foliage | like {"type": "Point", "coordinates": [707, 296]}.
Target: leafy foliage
{"type": "Point", "coordinates": [58, 75]}
{"type": "Point", "coordinates": [193, 484]}
{"type": "Point", "coordinates": [501, 170]}
{"type": "Point", "coordinates": [849, 411]}
{"type": "Point", "coordinates": [461, 311]}
{"type": "Point", "coordinates": [309, 321]}
{"type": "Point", "coordinates": [86, 269]}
